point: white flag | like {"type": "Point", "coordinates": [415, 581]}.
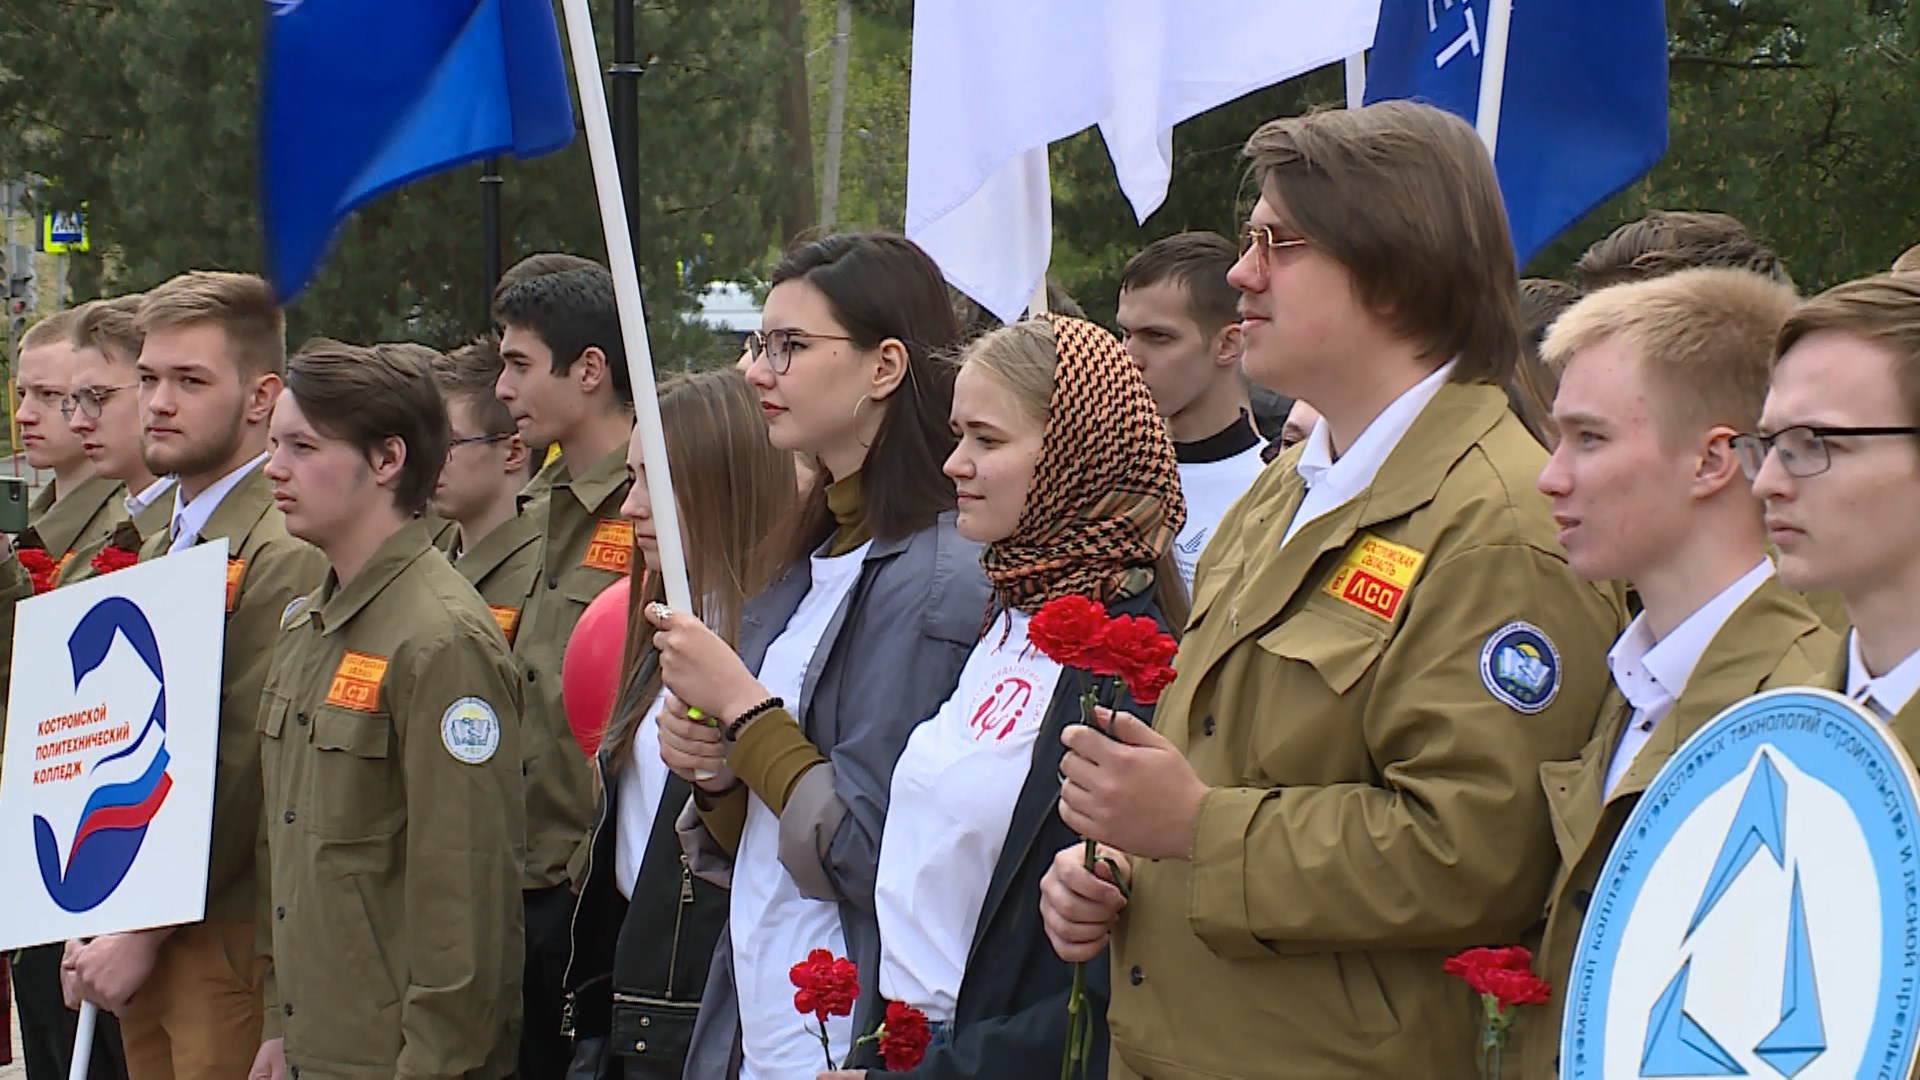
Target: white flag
{"type": "Point", "coordinates": [995, 81]}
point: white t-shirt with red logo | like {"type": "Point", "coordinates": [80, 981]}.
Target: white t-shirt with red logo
{"type": "Point", "coordinates": [953, 793]}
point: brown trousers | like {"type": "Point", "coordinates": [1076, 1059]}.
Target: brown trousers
{"type": "Point", "coordinates": [198, 1016]}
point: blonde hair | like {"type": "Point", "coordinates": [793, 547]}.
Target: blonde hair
{"type": "Point", "coordinates": [1703, 338]}
{"type": "Point", "coordinates": [1884, 310]}
{"type": "Point", "coordinates": [241, 305]}
{"type": "Point", "coordinates": [731, 488]}
{"type": "Point", "coordinates": [1908, 262]}
{"type": "Point", "coordinates": [110, 328]}
{"type": "Point", "coordinates": [55, 327]}
{"type": "Point", "coordinates": [1021, 357]}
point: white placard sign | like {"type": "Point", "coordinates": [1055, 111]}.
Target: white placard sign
{"type": "Point", "coordinates": [106, 788]}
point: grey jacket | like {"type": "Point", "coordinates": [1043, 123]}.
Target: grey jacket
{"type": "Point", "coordinates": [869, 684]}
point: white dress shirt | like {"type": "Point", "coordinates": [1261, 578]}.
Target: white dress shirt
{"type": "Point", "coordinates": [1653, 674]}
{"type": "Point", "coordinates": [147, 496]}
{"type": "Point", "coordinates": [190, 517]}
{"type": "Point", "coordinates": [1885, 694]}
{"type": "Point", "coordinates": [1332, 484]}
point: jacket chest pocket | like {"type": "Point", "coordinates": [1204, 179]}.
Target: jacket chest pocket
{"type": "Point", "coordinates": [1311, 670]}
{"type": "Point", "coordinates": [354, 790]}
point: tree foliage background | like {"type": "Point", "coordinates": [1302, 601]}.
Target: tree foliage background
{"type": "Point", "coordinates": [1796, 117]}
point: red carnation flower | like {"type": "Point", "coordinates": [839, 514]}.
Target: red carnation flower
{"type": "Point", "coordinates": [113, 558]}
{"type": "Point", "coordinates": [903, 1037]}
{"type": "Point", "coordinates": [826, 985]}
{"type": "Point", "coordinates": [1143, 654]}
{"type": "Point", "coordinates": [1069, 630]}
{"type": "Point", "coordinates": [40, 567]}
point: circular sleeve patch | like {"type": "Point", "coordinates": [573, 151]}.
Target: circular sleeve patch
{"type": "Point", "coordinates": [471, 731]}
{"type": "Point", "coordinates": [1520, 666]}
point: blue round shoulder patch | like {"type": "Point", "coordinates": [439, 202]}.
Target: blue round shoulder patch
{"type": "Point", "coordinates": [1759, 914]}
{"type": "Point", "coordinates": [1520, 666]}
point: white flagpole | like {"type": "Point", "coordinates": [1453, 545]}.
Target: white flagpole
{"type": "Point", "coordinates": [83, 1041]}
{"type": "Point", "coordinates": [1356, 67]}
{"type": "Point", "coordinates": [1493, 72]}
{"type": "Point", "coordinates": [626, 290]}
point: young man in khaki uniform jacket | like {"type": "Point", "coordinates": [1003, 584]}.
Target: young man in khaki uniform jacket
{"type": "Point", "coordinates": [1657, 380]}
{"type": "Point", "coordinates": [565, 381]}
{"type": "Point", "coordinates": [390, 750]}
{"type": "Point", "coordinates": [1837, 461]}
{"type": "Point", "coordinates": [497, 548]}
{"type": "Point", "coordinates": [188, 996]}
{"type": "Point", "coordinates": [75, 513]}
{"type": "Point", "coordinates": [103, 411]}
{"type": "Point", "coordinates": [1341, 787]}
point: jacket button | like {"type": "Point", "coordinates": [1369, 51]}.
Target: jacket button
{"type": "Point", "coordinates": [552, 582]}
{"type": "Point", "coordinates": [301, 719]}
{"type": "Point", "coordinates": [1206, 726]}
{"type": "Point", "coordinates": [279, 912]}
{"type": "Point", "coordinates": [646, 1021]}
{"type": "Point", "coordinates": [1136, 976]}
{"type": "Point", "coordinates": [287, 1008]}
{"type": "Point", "coordinates": [532, 675]}
{"type": "Point", "coordinates": [640, 1047]}
{"type": "Point", "coordinates": [1581, 899]}
{"type": "Point", "coordinates": [287, 817]}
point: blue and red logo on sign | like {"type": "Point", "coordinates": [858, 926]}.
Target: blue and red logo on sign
{"type": "Point", "coordinates": [129, 786]}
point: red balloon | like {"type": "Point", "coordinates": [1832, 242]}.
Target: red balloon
{"type": "Point", "coordinates": [590, 670]}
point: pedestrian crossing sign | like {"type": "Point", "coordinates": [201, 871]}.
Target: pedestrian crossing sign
{"type": "Point", "coordinates": [64, 231]}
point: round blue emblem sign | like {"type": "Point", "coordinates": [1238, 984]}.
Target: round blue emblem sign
{"type": "Point", "coordinates": [1760, 913]}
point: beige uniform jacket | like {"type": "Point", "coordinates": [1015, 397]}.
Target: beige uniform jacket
{"type": "Point", "coordinates": [1371, 705]}
{"type": "Point", "coordinates": [267, 568]}
{"type": "Point", "coordinates": [1773, 639]}
{"type": "Point", "coordinates": [502, 567]}
{"type": "Point", "coordinates": [585, 546]}
{"type": "Point", "coordinates": [390, 735]}
{"type": "Point", "coordinates": [82, 518]}
{"type": "Point", "coordinates": [130, 534]}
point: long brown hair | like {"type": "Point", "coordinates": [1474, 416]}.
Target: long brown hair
{"type": "Point", "coordinates": [731, 487]}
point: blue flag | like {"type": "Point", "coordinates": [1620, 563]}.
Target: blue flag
{"type": "Point", "coordinates": [361, 96]}
{"type": "Point", "coordinates": [1584, 111]}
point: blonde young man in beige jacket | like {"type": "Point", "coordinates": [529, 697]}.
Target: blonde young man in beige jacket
{"type": "Point", "coordinates": [1658, 380]}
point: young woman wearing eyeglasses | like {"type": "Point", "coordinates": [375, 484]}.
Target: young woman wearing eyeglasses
{"type": "Point", "coordinates": [859, 639]}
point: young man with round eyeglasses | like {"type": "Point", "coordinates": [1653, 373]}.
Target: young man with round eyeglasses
{"type": "Point", "coordinates": [497, 548]}
{"type": "Point", "coordinates": [1837, 462]}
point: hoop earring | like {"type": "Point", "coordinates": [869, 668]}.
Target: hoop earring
{"type": "Point", "coordinates": [864, 398]}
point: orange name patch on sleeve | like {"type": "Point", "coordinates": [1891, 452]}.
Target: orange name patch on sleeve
{"type": "Point", "coordinates": [508, 618]}
{"type": "Point", "coordinates": [1374, 575]}
{"type": "Point", "coordinates": [236, 569]}
{"type": "Point", "coordinates": [356, 682]}
{"type": "Point", "coordinates": [611, 548]}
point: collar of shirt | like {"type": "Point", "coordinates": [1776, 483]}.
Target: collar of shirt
{"type": "Point", "coordinates": [597, 484]}
{"type": "Point", "coordinates": [1349, 476]}
{"type": "Point", "coordinates": [1652, 674]}
{"type": "Point", "coordinates": [146, 497]}
{"type": "Point", "coordinates": [190, 517]}
{"type": "Point", "coordinates": [1892, 691]}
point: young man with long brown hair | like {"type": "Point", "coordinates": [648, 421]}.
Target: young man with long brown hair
{"type": "Point", "coordinates": [1341, 786]}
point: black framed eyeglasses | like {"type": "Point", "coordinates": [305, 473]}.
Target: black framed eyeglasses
{"type": "Point", "coordinates": [479, 440]}
{"type": "Point", "coordinates": [1266, 240]}
{"type": "Point", "coordinates": [777, 345]}
{"type": "Point", "coordinates": [89, 400]}
{"type": "Point", "coordinates": [1802, 448]}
